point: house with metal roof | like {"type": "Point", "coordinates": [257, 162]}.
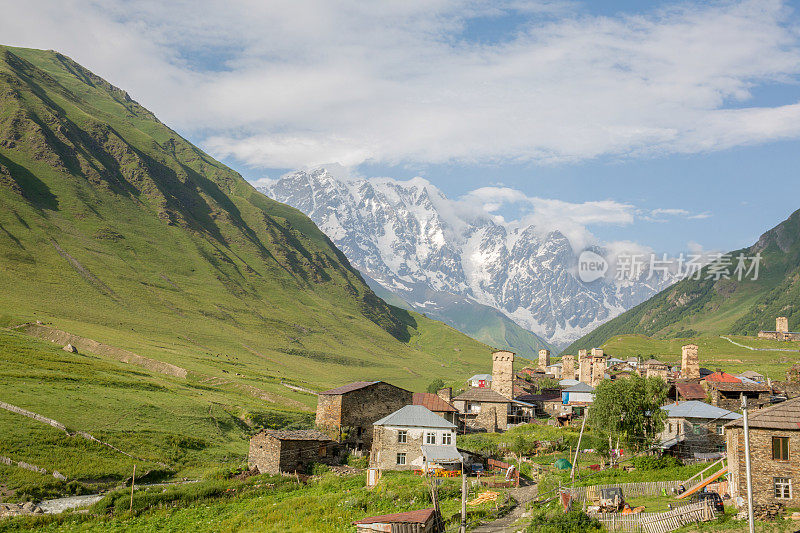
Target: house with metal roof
{"type": "Point", "coordinates": [437, 404]}
{"type": "Point", "coordinates": [694, 429]}
{"type": "Point", "coordinates": [484, 409]}
{"type": "Point", "coordinates": [419, 521]}
{"type": "Point", "coordinates": [482, 381]}
{"type": "Point", "coordinates": [347, 413]}
{"type": "Point", "coordinates": [414, 438]}
{"type": "Point", "coordinates": [774, 452]}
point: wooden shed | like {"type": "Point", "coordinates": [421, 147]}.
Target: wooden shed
{"type": "Point", "coordinates": [420, 521]}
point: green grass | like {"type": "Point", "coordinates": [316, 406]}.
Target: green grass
{"type": "Point", "coordinates": [714, 352]}
{"type": "Point", "coordinates": [261, 503]}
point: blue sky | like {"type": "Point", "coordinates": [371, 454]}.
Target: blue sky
{"type": "Point", "coordinates": [682, 118]}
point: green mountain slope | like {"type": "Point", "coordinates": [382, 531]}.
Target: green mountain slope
{"type": "Point", "coordinates": [479, 321]}
{"type": "Point", "coordinates": [115, 228]}
{"type": "Point", "coordinates": [726, 306]}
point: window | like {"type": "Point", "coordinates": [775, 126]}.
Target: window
{"type": "Point", "coordinates": [670, 427]}
{"type": "Point", "coordinates": [780, 448]}
{"type": "Point", "coordinates": [402, 436]}
{"type": "Point", "coordinates": [323, 451]}
{"type": "Point", "coordinates": [720, 429]}
{"type": "Point", "coordinates": [447, 438]}
{"type": "Point", "coordinates": [783, 487]}
{"type": "Point", "coordinates": [430, 438]}
{"type": "Point", "coordinates": [401, 458]}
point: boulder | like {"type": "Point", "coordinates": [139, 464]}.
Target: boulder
{"type": "Point", "coordinates": [70, 348]}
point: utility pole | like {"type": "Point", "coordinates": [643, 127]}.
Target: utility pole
{"type": "Point", "coordinates": [747, 466]}
{"type": "Point", "coordinates": [578, 449]}
{"type": "Point", "coordinates": [133, 483]}
{"type": "Point", "coordinates": [463, 528]}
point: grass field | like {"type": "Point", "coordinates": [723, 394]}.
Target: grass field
{"type": "Point", "coordinates": [714, 352]}
{"type": "Point", "coordinates": [261, 503]}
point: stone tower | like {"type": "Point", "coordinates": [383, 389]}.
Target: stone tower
{"type": "Point", "coordinates": [544, 359]}
{"type": "Point", "coordinates": [503, 373]}
{"type": "Point", "coordinates": [567, 366]}
{"type": "Point", "coordinates": [690, 362]}
{"type": "Point", "coordinates": [598, 367]}
{"type": "Point", "coordinates": [584, 367]}
{"type": "Point", "coordinates": [782, 324]}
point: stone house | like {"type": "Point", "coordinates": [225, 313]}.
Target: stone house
{"type": "Point", "coordinates": [483, 408]}
{"type": "Point", "coordinates": [437, 405]}
{"type": "Point", "coordinates": [554, 370]}
{"type": "Point", "coordinates": [347, 413]}
{"type": "Point", "coordinates": [277, 451]}
{"type": "Point", "coordinates": [694, 429]}
{"type": "Point", "coordinates": [774, 455]}
{"type": "Point", "coordinates": [547, 401]}
{"type": "Point", "coordinates": [781, 332]}
{"type": "Point", "coordinates": [404, 439]}
{"type": "Point", "coordinates": [654, 368]}
{"type": "Point", "coordinates": [728, 394]}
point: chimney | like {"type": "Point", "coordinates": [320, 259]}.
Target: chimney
{"type": "Point", "coordinates": [445, 394]}
{"type": "Point", "coordinates": [544, 359]}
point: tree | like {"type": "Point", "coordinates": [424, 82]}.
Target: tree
{"type": "Point", "coordinates": [435, 385]}
{"type": "Point", "coordinates": [630, 409]}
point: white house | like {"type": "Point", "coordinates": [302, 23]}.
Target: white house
{"type": "Point", "coordinates": [580, 394]}
{"type": "Point", "coordinates": [481, 381]}
{"type": "Point", "coordinates": [412, 438]}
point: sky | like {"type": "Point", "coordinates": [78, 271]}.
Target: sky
{"type": "Point", "coordinates": [670, 124]}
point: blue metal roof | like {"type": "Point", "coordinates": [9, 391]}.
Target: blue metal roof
{"type": "Point", "coordinates": [697, 409]}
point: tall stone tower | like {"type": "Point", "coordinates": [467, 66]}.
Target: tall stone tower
{"type": "Point", "coordinates": [544, 359]}
{"type": "Point", "coordinates": [584, 367]}
{"type": "Point", "coordinates": [782, 324]}
{"type": "Point", "coordinates": [567, 366]}
{"type": "Point", "coordinates": [690, 362]}
{"type": "Point", "coordinates": [598, 367]}
{"type": "Point", "coordinates": [503, 373]}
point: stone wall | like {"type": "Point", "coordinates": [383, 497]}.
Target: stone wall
{"type": "Point", "coordinates": [503, 373]}
{"type": "Point", "coordinates": [274, 456]}
{"type": "Point", "coordinates": [598, 369]}
{"type": "Point", "coordinates": [690, 362]}
{"type": "Point", "coordinates": [782, 324]}
{"type": "Point", "coordinates": [385, 447]}
{"type": "Point", "coordinates": [763, 467]}
{"type": "Point", "coordinates": [349, 417]}
{"type": "Point", "coordinates": [567, 366]}
{"type": "Point", "coordinates": [778, 335]}
{"type": "Point", "coordinates": [584, 367]}
{"type": "Point", "coordinates": [544, 359]}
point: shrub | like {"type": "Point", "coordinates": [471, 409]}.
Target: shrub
{"type": "Point", "coordinates": [357, 462]}
{"type": "Point", "coordinates": [554, 521]}
{"type": "Point", "coordinates": [653, 462]}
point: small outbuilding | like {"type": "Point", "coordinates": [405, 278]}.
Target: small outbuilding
{"type": "Point", "coordinates": [420, 521]}
{"type": "Point", "coordinates": [278, 451]}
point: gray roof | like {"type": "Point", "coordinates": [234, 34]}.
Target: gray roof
{"type": "Point", "coordinates": [580, 387]}
{"type": "Point", "coordinates": [477, 394]}
{"type": "Point", "coordinates": [696, 409]}
{"type": "Point", "coordinates": [477, 377]}
{"type": "Point", "coordinates": [567, 382]}
{"type": "Point", "coordinates": [783, 416]}
{"type": "Point", "coordinates": [415, 416]}
{"type": "Point", "coordinates": [441, 454]}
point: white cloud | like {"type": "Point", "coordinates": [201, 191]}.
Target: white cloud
{"type": "Point", "coordinates": [306, 82]}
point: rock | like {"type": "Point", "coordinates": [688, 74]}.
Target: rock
{"type": "Point", "coordinates": [70, 348]}
{"type": "Point", "coordinates": [28, 507]}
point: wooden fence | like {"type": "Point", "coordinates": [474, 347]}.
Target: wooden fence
{"type": "Point", "coordinates": [629, 490]}
{"type": "Point", "coordinates": [657, 522]}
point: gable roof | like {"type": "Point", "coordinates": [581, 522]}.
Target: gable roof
{"type": "Point", "coordinates": [350, 387]}
{"type": "Point", "coordinates": [691, 391]}
{"type": "Point", "coordinates": [415, 416]}
{"type": "Point", "coordinates": [751, 374]}
{"type": "Point", "coordinates": [420, 516]}
{"type": "Point", "coordinates": [726, 386]}
{"type": "Point", "coordinates": [568, 382]}
{"type": "Point", "coordinates": [695, 409]}
{"type": "Point", "coordinates": [785, 415]}
{"type": "Point", "coordinates": [723, 377]}
{"type": "Point", "coordinates": [478, 377]}
{"type": "Point", "coordinates": [296, 434]}
{"type": "Point", "coordinates": [432, 402]}
{"type": "Point", "coordinates": [477, 394]}
{"type": "Point", "coordinates": [580, 387]}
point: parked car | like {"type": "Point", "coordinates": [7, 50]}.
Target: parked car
{"type": "Point", "coordinates": [711, 496]}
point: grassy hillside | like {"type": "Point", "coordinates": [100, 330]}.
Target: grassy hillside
{"type": "Point", "coordinates": [724, 306]}
{"type": "Point", "coordinates": [116, 229]}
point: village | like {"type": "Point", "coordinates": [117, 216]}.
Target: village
{"type": "Point", "coordinates": [394, 429]}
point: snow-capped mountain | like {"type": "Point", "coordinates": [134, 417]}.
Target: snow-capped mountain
{"type": "Point", "coordinates": [418, 244]}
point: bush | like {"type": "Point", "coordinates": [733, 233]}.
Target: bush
{"type": "Point", "coordinates": [653, 462]}
{"type": "Point", "coordinates": [317, 469]}
{"type": "Point", "coordinates": [555, 521]}
{"type": "Point", "coordinates": [357, 462]}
